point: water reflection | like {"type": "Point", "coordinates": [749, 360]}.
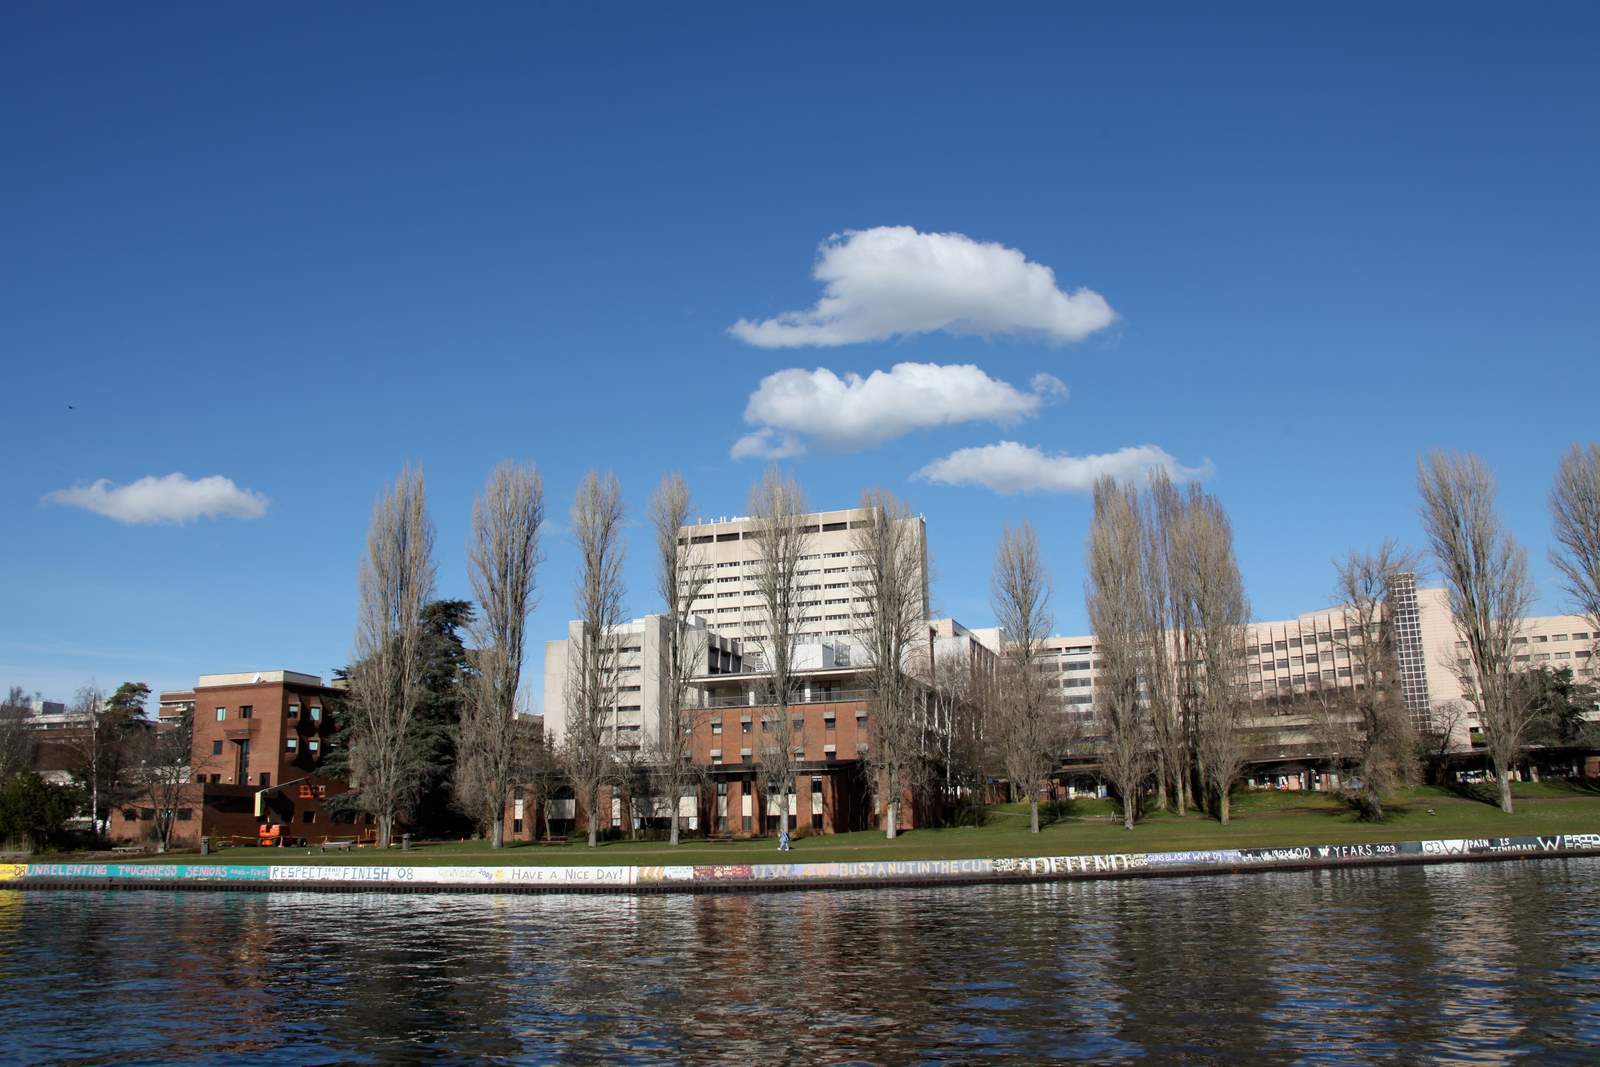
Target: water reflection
{"type": "Point", "coordinates": [1473, 963]}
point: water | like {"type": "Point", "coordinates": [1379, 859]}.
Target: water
{"type": "Point", "coordinates": [1478, 963]}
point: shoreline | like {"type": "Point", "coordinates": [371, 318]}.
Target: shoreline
{"type": "Point", "coordinates": [767, 877]}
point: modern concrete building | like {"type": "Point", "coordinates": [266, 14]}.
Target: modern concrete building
{"type": "Point", "coordinates": [1295, 658]}
{"type": "Point", "coordinates": [731, 603]}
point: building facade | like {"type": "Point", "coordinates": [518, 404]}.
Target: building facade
{"type": "Point", "coordinates": [730, 601]}
{"type": "Point", "coordinates": [259, 739]}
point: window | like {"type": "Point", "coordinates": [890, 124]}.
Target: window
{"type": "Point", "coordinates": [1540, 640]}
{"type": "Point", "coordinates": [292, 744]}
{"type": "Point", "coordinates": [216, 748]}
{"type": "Point", "coordinates": [222, 714]}
{"type": "Point", "coordinates": [245, 711]}
{"type": "Point", "coordinates": [308, 816]}
{"type": "Point", "coordinates": [314, 745]}
{"type": "Point", "coordinates": [744, 726]}
{"type": "Point", "coordinates": [316, 714]}
{"type": "Point", "coordinates": [294, 712]}
{"type": "Point", "coordinates": [264, 778]}
{"type": "Point", "coordinates": [716, 726]}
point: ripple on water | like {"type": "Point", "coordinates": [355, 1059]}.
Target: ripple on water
{"type": "Point", "coordinates": [1476, 963]}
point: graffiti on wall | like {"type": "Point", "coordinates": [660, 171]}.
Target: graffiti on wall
{"type": "Point", "coordinates": [490, 877]}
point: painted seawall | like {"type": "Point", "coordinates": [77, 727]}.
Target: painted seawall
{"type": "Point", "coordinates": [771, 876]}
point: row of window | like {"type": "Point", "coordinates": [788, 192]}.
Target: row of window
{"type": "Point", "coordinates": [247, 711]}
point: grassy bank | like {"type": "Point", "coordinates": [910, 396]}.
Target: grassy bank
{"type": "Point", "coordinates": [1260, 820]}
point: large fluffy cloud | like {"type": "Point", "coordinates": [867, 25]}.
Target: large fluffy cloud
{"type": "Point", "coordinates": [1009, 467]}
{"type": "Point", "coordinates": [894, 280]}
{"type": "Point", "coordinates": [170, 498]}
{"type": "Point", "coordinates": [844, 414]}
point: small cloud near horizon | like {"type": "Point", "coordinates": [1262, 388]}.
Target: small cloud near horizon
{"type": "Point", "coordinates": [172, 498]}
{"type": "Point", "coordinates": [1008, 467]}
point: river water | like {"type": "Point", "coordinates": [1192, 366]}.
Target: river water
{"type": "Point", "coordinates": [1477, 963]}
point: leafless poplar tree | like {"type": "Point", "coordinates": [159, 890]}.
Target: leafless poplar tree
{"type": "Point", "coordinates": [1486, 579]}
{"type": "Point", "coordinates": [593, 667]}
{"type": "Point", "coordinates": [502, 558]}
{"type": "Point", "coordinates": [1169, 677]}
{"type": "Point", "coordinates": [1026, 730]}
{"type": "Point", "coordinates": [1118, 606]}
{"type": "Point", "coordinates": [1575, 506]}
{"type": "Point", "coordinates": [890, 612]}
{"type": "Point", "coordinates": [396, 581]}
{"type": "Point", "coordinates": [782, 537]}
{"type": "Point", "coordinates": [1217, 613]}
{"type": "Point", "coordinates": [681, 576]}
{"type": "Point", "coordinates": [1366, 730]}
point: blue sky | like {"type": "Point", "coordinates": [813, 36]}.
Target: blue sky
{"type": "Point", "coordinates": [297, 247]}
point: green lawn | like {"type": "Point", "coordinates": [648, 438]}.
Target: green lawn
{"type": "Point", "coordinates": [1264, 819]}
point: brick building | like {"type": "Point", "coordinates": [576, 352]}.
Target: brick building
{"type": "Point", "coordinates": [258, 743]}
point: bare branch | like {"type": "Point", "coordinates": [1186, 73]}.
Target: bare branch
{"type": "Point", "coordinates": [1486, 580]}
{"type": "Point", "coordinates": [386, 684]}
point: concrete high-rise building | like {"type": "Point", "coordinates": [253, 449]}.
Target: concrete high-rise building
{"type": "Point", "coordinates": [731, 602]}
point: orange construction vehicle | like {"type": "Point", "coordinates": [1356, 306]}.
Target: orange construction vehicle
{"type": "Point", "coordinates": [270, 835]}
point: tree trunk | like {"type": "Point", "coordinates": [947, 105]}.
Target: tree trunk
{"type": "Point", "coordinates": [1033, 813]}
{"type": "Point", "coordinates": [1161, 784]}
{"type": "Point", "coordinates": [1222, 807]}
{"type": "Point", "coordinates": [594, 814]}
{"type": "Point", "coordinates": [1127, 813]}
{"type": "Point", "coordinates": [1504, 775]}
{"type": "Point", "coordinates": [892, 820]}
{"type": "Point", "coordinates": [499, 838]}
{"type": "Point", "coordinates": [675, 817]}
{"type": "Point", "coordinates": [385, 830]}
{"type": "Point", "coordinates": [1178, 791]}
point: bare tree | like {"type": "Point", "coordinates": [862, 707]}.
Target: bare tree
{"type": "Point", "coordinates": [1486, 580]}
{"type": "Point", "coordinates": [1437, 740]}
{"type": "Point", "coordinates": [890, 612]}
{"type": "Point", "coordinates": [168, 766]}
{"type": "Point", "coordinates": [588, 743]}
{"type": "Point", "coordinates": [1217, 614]}
{"type": "Point", "coordinates": [778, 526]}
{"type": "Point", "coordinates": [681, 576]}
{"type": "Point", "coordinates": [503, 558]}
{"type": "Point", "coordinates": [386, 683]}
{"type": "Point", "coordinates": [1118, 606]}
{"type": "Point", "coordinates": [539, 769]}
{"type": "Point", "coordinates": [1366, 729]}
{"type": "Point", "coordinates": [1575, 506]}
{"type": "Point", "coordinates": [17, 736]}
{"type": "Point", "coordinates": [1025, 728]}
{"type": "Point", "coordinates": [1169, 678]}
{"type": "Point", "coordinates": [956, 698]}
{"type": "Point", "coordinates": [100, 743]}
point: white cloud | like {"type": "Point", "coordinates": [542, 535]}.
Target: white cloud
{"type": "Point", "coordinates": [765, 444]}
{"type": "Point", "coordinates": [1009, 467]}
{"type": "Point", "coordinates": [893, 280]}
{"type": "Point", "coordinates": [170, 498]}
{"type": "Point", "coordinates": [792, 407]}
